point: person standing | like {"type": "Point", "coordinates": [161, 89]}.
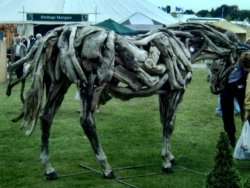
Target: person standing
{"type": "Point", "coordinates": [32, 40]}
{"type": "Point", "coordinates": [19, 51]}
{"type": "Point", "coordinates": [245, 62]}
{"type": "Point", "coordinates": [235, 88]}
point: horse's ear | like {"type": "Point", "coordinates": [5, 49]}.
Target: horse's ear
{"type": "Point", "coordinates": [244, 61]}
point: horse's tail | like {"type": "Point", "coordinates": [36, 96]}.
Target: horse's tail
{"type": "Point", "coordinates": [33, 101]}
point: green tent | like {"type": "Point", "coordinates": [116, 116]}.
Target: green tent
{"type": "Point", "coordinates": [116, 27]}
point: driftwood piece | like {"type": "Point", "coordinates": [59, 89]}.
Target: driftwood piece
{"type": "Point", "coordinates": [126, 58]}
{"type": "Point", "coordinates": [65, 61]}
{"type": "Point", "coordinates": [51, 53]}
{"type": "Point", "coordinates": [139, 55]}
{"type": "Point", "coordinates": [74, 60]}
{"type": "Point", "coordinates": [151, 63]}
{"type": "Point", "coordinates": [212, 45]}
{"type": "Point", "coordinates": [163, 44]}
{"type": "Point", "coordinates": [127, 93]}
{"type": "Point", "coordinates": [182, 47]}
{"type": "Point", "coordinates": [182, 34]}
{"type": "Point", "coordinates": [96, 96]}
{"type": "Point", "coordinates": [133, 60]}
{"type": "Point", "coordinates": [199, 51]}
{"type": "Point", "coordinates": [58, 72]}
{"type": "Point", "coordinates": [128, 77]}
{"type": "Point", "coordinates": [34, 99]}
{"type": "Point", "coordinates": [207, 55]}
{"type": "Point", "coordinates": [145, 40]}
{"type": "Point", "coordinates": [147, 78]}
{"type": "Point", "coordinates": [107, 60]}
{"type": "Point", "coordinates": [93, 44]}
{"type": "Point", "coordinates": [83, 32]}
{"type": "Point", "coordinates": [182, 56]}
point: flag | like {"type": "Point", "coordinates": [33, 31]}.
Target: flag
{"type": "Point", "coordinates": [178, 9]}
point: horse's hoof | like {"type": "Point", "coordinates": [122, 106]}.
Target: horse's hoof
{"type": "Point", "coordinates": [8, 92]}
{"type": "Point", "coordinates": [14, 120]}
{"type": "Point", "coordinates": [110, 175]}
{"type": "Point", "coordinates": [173, 162]}
{"type": "Point", "coordinates": [167, 170]}
{"type": "Point", "coordinates": [51, 176]}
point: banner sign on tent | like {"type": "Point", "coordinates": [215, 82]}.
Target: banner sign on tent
{"type": "Point", "coordinates": [57, 17]}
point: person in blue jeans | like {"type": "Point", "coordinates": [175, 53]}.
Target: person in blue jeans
{"type": "Point", "coordinates": [234, 90]}
{"type": "Point", "coordinates": [218, 110]}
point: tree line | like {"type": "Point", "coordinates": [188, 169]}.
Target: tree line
{"type": "Point", "coordinates": [227, 12]}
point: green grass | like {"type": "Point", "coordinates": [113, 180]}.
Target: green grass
{"type": "Point", "coordinates": [130, 133]}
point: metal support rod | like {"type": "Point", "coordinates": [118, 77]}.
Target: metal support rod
{"type": "Point", "coordinates": [134, 167]}
{"type": "Point", "coordinates": [125, 183]}
{"type": "Point", "coordinates": [191, 170]}
{"type": "Point", "coordinates": [90, 169]}
{"type": "Point", "coordinates": [118, 180]}
{"type": "Point", "coordinates": [74, 174]}
{"type": "Point", "coordinates": [140, 176]}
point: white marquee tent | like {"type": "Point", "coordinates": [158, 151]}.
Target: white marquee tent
{"type": "Point", "coordinates": [141, 22]}
{"type": "Point", "coordinates": [15, 11]}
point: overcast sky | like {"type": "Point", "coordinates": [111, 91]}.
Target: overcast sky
{"type": "Point", "coordinates": [197, 5]}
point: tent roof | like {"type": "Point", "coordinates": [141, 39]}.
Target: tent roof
{"type": "Point", "coordinates": [225, 25]}
{"type": "Point", "coordinates": [118, 28]}
{"type": "Point", "coordinates": [186, 17]}
{"type": "Point", "coordinates": [118, 10]}
{"type": "Point", "coordinates": [141, 19]}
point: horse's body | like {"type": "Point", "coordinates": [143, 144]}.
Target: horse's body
{"type": "Point", "coordinates": [97, 60]}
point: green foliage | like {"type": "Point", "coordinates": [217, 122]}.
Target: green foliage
{"type": "Point", "coordinates": [189, 11]}
{"type": "Point", "coordinates": [227, 12]}
{"type": "Point", "coordinates": [224, 174]}
{"type": "Point", "coordinates": [203, 13]}
{"type": "Point", "coordinates": [247, 183]}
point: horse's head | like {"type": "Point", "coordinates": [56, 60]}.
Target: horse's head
{"type": "Point", "coordinates": [220, 70]}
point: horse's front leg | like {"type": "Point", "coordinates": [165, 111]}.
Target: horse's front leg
{"type": "Point", "coordinates": [168, 106]}
{"type": "Point", "coordinates": [46, 122]}
{"type": "Point", "coordinates": [22, 90]}
{"type": "Point", "coordinates": [54, 100]}
{"type": "Point", "coordinates": [87, 121]}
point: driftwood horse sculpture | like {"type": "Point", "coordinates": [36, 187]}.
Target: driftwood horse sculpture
{"type": "Point", "coordinates": [97, 60]}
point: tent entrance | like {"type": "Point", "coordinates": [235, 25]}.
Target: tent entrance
{"type": "Point", "coordinates": [43, 29]}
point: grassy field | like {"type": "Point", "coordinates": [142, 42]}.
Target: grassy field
{"type": "Point", "coordinates": [131, 135]}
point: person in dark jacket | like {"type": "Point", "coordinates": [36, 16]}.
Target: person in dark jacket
{"type": "Point", "coordinates": [234, 89]}
{"type": "Point", "coordinates": [19, 51]}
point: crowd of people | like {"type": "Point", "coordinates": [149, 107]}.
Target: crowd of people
{"type": "Point", "coordinates": [20, 47]}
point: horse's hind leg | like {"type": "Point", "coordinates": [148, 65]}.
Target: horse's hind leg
{"type": "Point", "coordinates": [22, 90]}
{"type": "Point", "coordinates": [10, 85]}
{"type": "Point", "coordinates": [88, 124]}
{"type": "Point", "coordinates": [54, 100]}
{"type": "Point", "coordinates": [168, 106]}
